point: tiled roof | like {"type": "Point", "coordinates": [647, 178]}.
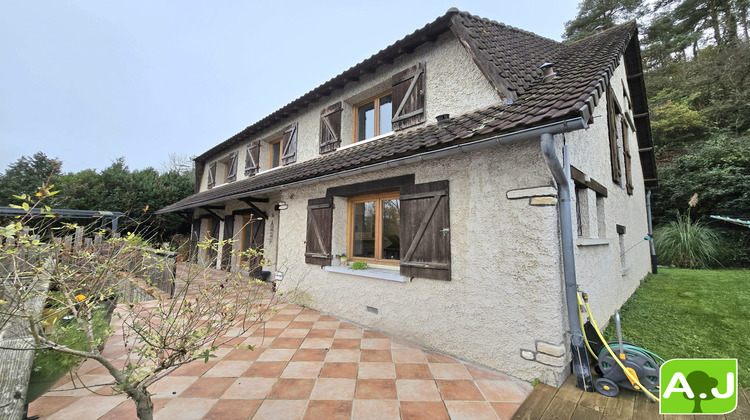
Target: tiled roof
{"type": "Point", "coordinates": [583, 70]}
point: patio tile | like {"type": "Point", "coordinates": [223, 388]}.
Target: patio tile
{"type": "Point", "coordinates": [171, 386]}
{"type": "Point", "coordinates": [350, 326]}
{"type": "Point", "coordinates": [276, 355]}
{"type": "Point", "coordinates": [481, 373]}
{"type": "Point", "coordinates": [346, 343]}
{"type": "Point", "coordinates": [375, 410]}
{"type": "Point", "coordinates": [242, 354]}
{"type": "Point", "coordinates": [505, 411]}
{"type": "Point", "coordinates": [292, 389]}
{"type": "Point", "coordinates": [306, 317]}
{"type": "Point", "coordinates": [459, 390]}
{"type": "Point", "coordinates": [417, 390]}
{"type": "Point", "coordinates": [283, 316]}
{"type": "Point", "coordinates": [376, 389]}
{"type": "Point", "coordinates": [233, 409]}
{"type": "Point", "coordinates": [333, 389]}
{"type": "Point", "coordinates": [324, 410]}
{"type": "Point", "coordinates": [281, 410]}
{"type": "Point", "coordinates": [408, 356]}
{"type": "Point", "coordinates": [373, 334]}
{"type": "Point", "coordinates": [250, 388]}
{"type": "Point", "coordinates": [375, 356]}
{"type": "Point", "coordinates": [286, 343]}
{"type": "Point", "coordinates": [46, 405]}
{"type": "Point", "coordinates": [90, 407]}
{"type": "Point", "coordinates": [316, 343]}
{"type": "Point", "coordinates": [207, 388]}
{"type": "Point", "coordinates": [265, 369]}
{"type": "Point", "coordinates": [310, 355]}
{"type": "Point", "coordinates": [277, 325]}
{"type": "Point", "coordinates": [343, 356]}
{"type": "Point", "coordinates": [126, 409]}
{"type": "Point", "coordinates": [470, 410]}
{"type": "Point", "coordinates": [258, 342]}
{"type": "Point", "coordinates": [321, 333]}
{"type": "Point", "coordinates": [326, 325]}
{"type": "Point", "coordinates": [328, 318]}
{"type": "Point", "coordinates": [413, 371]}
{"type": "Point", "coordinates": [113, 352]}
{"type": "Point", "coordinates": [433, 357]}
{"type": "Point", "coordinates": [194, 368]}
{"type": "Point", "coordinates": [301, 325]}
{"type": "Point", "coordinates": [266, 332]}
{"type": "Point", "coordinates": [302, 370]}
{"type": "Point", "coordinates": [419, 410]}
{"type": "Point", "coordinates": [228, 369]}
{"type": "Point", "coordinates": [376, 370]}
{"type": "Point", "coordinates": [230, 341]}
{"type": "Point", "coordinates": [294, 333]}
{"type": "Point", "coordinates": [449, 371]}
{"type": "Point", "coordinates": [501, 391]}
{"type": "Point", "coordinates": [376, 343]}
{"type": "Point", "coordinates": [348, 333]}
{"type": "Point", "coordinates": [339, 370]}
{"type": "Point", "coordinates": [185, 409]}
{"type": "Point", "coordinates": [403, 345]}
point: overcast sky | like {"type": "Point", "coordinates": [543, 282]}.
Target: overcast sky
{"type": "Point", "coordinates": [90, 81]}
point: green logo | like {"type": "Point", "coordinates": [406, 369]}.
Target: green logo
{"type": "Point", "coordinates": [698, 386]}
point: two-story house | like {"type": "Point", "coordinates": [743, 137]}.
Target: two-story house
{"type": "Point", "coordinates": [483, 173]}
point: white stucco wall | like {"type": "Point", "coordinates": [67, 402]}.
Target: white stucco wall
{"type": "Point", "coordinates": [454, 85]}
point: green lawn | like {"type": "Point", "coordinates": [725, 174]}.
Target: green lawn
{"type": "Point", "coordinates": [681, 313]}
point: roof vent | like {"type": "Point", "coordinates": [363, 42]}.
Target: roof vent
{"type": "Point", "coordinates": [599, 29]}
{"type": "Point", "coordinates": [548, 71]}
{"type": "Point", "coordinates": [443, 119]}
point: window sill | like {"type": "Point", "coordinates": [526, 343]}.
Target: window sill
{"type": "Point", "coordinates": [374, 273]}
{"type": "Point", "coordinates": [357, 143]}
{"type": "Point", "coordinates": [592, 241]}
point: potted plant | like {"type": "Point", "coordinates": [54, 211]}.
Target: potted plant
{"type": "Point", "coordinates": [358, 265]}
{"type": "Point", "coordinates": [342, 259]}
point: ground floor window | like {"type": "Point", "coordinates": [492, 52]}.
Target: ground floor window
{"type": "Point", "coordinates": [373, 229]}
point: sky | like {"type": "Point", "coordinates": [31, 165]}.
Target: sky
{"type": "Point", "coordinates": [88, 82]}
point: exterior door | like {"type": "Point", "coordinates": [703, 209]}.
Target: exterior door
{"type": "Point", "coordinates": [253, 228]}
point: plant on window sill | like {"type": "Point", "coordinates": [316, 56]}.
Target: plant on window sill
{"type": "Point", "coordinates": [358, 265]}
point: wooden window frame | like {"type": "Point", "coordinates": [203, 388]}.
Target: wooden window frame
{"type": "Point", "coordinates": [376, 118]}
{"type": "Point", "coordinates": [270, 152]}
{"type": "Point", "coordinates": [378, 198]}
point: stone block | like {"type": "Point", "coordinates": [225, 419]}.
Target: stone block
{"type": "Point", "coordinates": [557, 350]}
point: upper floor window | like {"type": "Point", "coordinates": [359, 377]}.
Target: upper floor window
{"type": "Point", "coordinates": [274, 153]}
{"type": "Point", "coordinates": [373, 117]}
{"type": "Point", "coordinates": [229, 164]}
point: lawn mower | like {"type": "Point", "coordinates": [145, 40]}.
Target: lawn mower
{"type": "Point", "coordinates": [620, 364]}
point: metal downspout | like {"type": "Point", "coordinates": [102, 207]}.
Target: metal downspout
{"type": "Point", "coordinates": [561, 173]}
{"type": "Point", "coordinates": [650, 231]}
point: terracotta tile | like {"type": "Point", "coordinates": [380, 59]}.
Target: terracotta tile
{"type": "Point", "coordinates": [327, 318]}
{"type": "Point", "coordinates": [348, 333]}
{"type": "Point", "coordinates": [266, 332]}
{"type": "Point", "coordinates": [481, 373]}
{"type": "Point", "coordinates": [286, 343]}
{"type": "Point", "coordinates": [325, 325]}
{"type": "Point", "coordinates": [350, 326]}
{"type": "Point", "coordinates": [230, 341]}
{"type": "Point", "coordinates": [376, 389]}
{"type": "Point", "coordinates": [258, 343]}
{"type": "Point", "coordinates": [375, 410]}
{"type": "Point", "coordinates": [294, 333]}
{"type": "Point", "coordinates": [449, 371]}
{"type": "Point", "coordinates": [113, 352]}
{"type": "Point", "coordinates": [375, 356]}
{"type": "Point", "coordinates": [46, 405]}
{"type": "Point", "coordinates": [281, 410]}
{"type": "Point", "coordinates": [433, 357]}
{"type": "Point", "coordinates": [292, 389]}
{"type": "Point", "coordinates": [277, 325]}
{"type": "Point", "coordinates": [250, 388]}
{"type": "Point", "coordinates": [417, 390]}
{"type": "Point", "coordinates": [501, 391]}
{"type": "Point", "coordinates": [171, 386]}
{"type": "Point", "coordinates": [413, 371]}
{"type": "Point", "coordinates": [505, 411]}
{"type": "Point", "coordinates": [376, 370]}
{"type": "Point", "coordinates": [276, 355]}
{"type": "Point", "coordinates": [186, 409]}
{"type": "Point", "coordinates": [316, 343]}
{"type": "Point", "coordinates": [339, 370]}
{"type": "Point", "coordinates": [243, 354]}
{"type": "Point", "coordinates": [126, 409]}
{"type": "Point", "coordinates": [90, 407]}
{"type": "Point", "coordinates": [333, 389]}
{"type": "Point", "coordinates": [306, 317]}
{"type": "Point", "coordinates": [403, 345]}
{"type": "Point", "coordinates": [207, 388]}
{"type": "Point", "coordinates": [300, 325]}
{"type": "Point", "coordinates": [321, 334]}
{"type": "Point", "coordinates": [233, 409]}
{"type": "Point", "coordinates": [419, 410]}
{"type": "Point", "coordinates": [470, 410]}
{"type": "Point", "coordinates": [343, 356]}
{"type": "Point", "coordinates": [376, 343]}
{"type": "Point", "coordinates": [373, 334]}
{"type": "Point", "coordinates": [302, 370]}
{"type": "Point", "coordinates": [324, 410]}
{"type": "Point", "coordinates": [228, 369]}
{"type": "Point", "coordinates": [265, 369]}
{"type": "Point", "coordinates": [283, 317]}
{"type": "Point", "coordinates": [408, 356]}
{"type": "Point", "coordinates": [345, 343]}
{"type": "Point", "coordinates": [459, 390]}
{"type": "Point", "coordinates": [310, 355]}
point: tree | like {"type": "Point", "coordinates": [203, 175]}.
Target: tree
{"type": "Point", "coordinates": [701, 384]}
{"type": "Point", "coordinates": [26, 174]}
{"type": "Point", "coordinates": [605, 13]}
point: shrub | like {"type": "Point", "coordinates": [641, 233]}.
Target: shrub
{"type": "Point", "coordinates": [690, 244]}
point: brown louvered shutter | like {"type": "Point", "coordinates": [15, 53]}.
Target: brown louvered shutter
{"type": "Point", "coordinates": [612, 111]}
{"type": "Point", "coordinates": [226, 248]}
{"type": "Point", "coordinates": [626, 154]}
{"type": "Point", "coordinates": [252, 157]}
{"type": "Point", "coordinates": [232, 167]}
{"type": "Point", "coordinates": [408, 89]}
{"type": "Point", "coordinates": [319, 224]}
{"type": "Point", "coordinates": [330, 128]}
{"type": "Point", "coordinates": [425, 231]}
{"type": "Point", "coordinates": [211, 175]}
{"type": "Point", "coordinates": [290, 145]}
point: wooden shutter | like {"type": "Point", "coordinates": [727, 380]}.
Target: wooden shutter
{"type": "Point", "coordinates": [626, 155]}
{"type": "Point", "coordinates": [211, 175]}
{"type": "Point", "coordinates": [226, 249]}
{"type": "Point", "coordinates": [232, 167]}
{"type": "Point", "coordinates": [330, 128]}
{"type": "Point", "coordinates": [612, 111]}
{"type": "Point", "coordinates": [252, 158]}
{"type": "Point", "coordinates": [290, 145]}
{"type": "Point", "coordinates": [319, 224]}
{"type": "Point", "coordinates": [425, 231]}
{"type": "Point", "coordinates": [194, 238]}
{"type": "Point", "coordinates": [213, 232]}
{"type": "Point", "coordinates": [408, 89]}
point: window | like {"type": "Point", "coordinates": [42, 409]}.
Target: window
{"type": "Point", "coordinates": [374, 228]}
{"type": "Point", "coordinates": [589, 205]}
{"type": "Point", "coordinates": [211, 175]}
{"type": "Point", "coordinates": [229, 165]}
{"type": "Point", "coordinates": [274, 153]}
{"type": "Point", "coordinates": [373, 117]}
{"type": "Point", "coordinates": [253, 228]}
{"type": "Point", "coordinates": [613, 111]}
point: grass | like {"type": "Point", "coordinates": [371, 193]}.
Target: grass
{"type": "Point", "coordinates": [681, 313]}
